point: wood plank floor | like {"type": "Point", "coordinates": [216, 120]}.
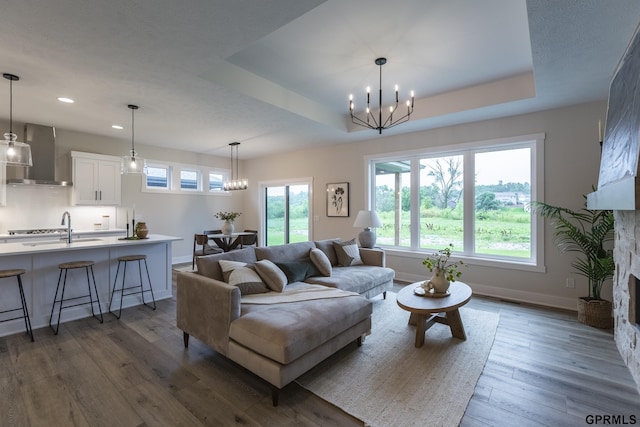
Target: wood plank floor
{"type": "Point", "coordinates": [545, 369]}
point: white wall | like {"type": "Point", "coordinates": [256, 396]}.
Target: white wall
{"type": "Point", "coordinates": [170, 214]}
{"type": "Point", "coordinates": [572, 158]}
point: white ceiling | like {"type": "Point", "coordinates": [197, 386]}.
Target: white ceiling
{"type": "Point", "coordinates": [277, 75]}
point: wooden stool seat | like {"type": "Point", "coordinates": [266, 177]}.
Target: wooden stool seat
{"type": "Point", "coordinates": [17, 272]}
{"type": "Point", "coordinates": [126, 259]}
{"type": "Point", "coordinates": [75, 264]}
{"type": "Point", "coordinates": [65, 267]}
{"type": "Point", "coordinates": [11, 273]}
{"type": "Point", "coordinates": [132, 258]}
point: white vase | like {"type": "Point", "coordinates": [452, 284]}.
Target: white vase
{"type": "Point", "coordinates": [438, 282]}
{"type": "Point", "coordinates": [227, 228]}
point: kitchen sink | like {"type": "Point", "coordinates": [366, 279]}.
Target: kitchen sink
{"type": "Point", "coordinates": [58, 241]}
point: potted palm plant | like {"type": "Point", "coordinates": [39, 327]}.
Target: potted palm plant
{"type": "Point", "coordinates": [586, 231]}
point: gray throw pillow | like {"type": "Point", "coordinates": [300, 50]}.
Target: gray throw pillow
{"type": "Point", "coordinates": [272, 275]}
{"type": "Point", "coordinates": [297, 271]}
{"type": "Point", "coordinates": [321, 261]}
{"type": "Point", "coordinates": [348, 253]}
{"type": "Point", "coordinates": [326, 246]}
{"type": "Point", "coordinates": [243, 276]}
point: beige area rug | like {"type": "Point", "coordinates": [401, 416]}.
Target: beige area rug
{"type": "Point", "coordinates": [389, 382]}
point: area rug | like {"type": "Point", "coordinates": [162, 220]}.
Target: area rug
{"type": "Point", "coordinates": [389, 382]}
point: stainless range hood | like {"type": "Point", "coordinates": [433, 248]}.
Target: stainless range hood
{"type": "Point", "coordinates": [43, 151]}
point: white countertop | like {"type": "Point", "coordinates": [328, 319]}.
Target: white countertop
{"type": "Point", "coordinates": [80, 243]}
{"type": "Point", "coordinates": [112, 231]}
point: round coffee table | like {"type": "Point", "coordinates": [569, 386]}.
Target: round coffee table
{"type": "Point", "coordinates": [426, 310]}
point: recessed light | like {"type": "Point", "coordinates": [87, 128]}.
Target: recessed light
{"type": "Point", "coordinates": [66, 100]}
{"type": "Point", "coordinates": [117, 127]}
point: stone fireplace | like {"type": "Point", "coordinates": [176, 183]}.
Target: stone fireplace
{"type": "Point", "coordinates": [626, 289]}
{"type": "Point", "coordinates": [619, 190]}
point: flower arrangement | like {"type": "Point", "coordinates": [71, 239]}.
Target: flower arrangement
{"type": "Point", "coordinates": [228, 216]}
{"type": "Point", "coordinates": [440, 261]}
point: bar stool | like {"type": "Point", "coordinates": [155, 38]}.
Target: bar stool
{"type": "Point", "coordinates": [126, 259]}
{"type": "Point", "coordinates": [25, 313]}
{"type": "Point", "coordinates": [65, 267]}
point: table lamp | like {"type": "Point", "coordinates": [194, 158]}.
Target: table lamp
{"type": "Point", "coordinates": [367, 219]}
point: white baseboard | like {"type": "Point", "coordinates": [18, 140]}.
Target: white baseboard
{"type": "Point", "coordinates": [507, 294]}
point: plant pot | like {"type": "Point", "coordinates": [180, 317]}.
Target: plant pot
{"type": "Point", "coordinates": [596, 313]}
{"type": "Point", "coordinates": [227, 228]}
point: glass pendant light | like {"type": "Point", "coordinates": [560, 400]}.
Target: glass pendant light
{"type": "Point", "coordinates": [12, 151]}
{"type": "Point", "coordinates": [133, 164]}
{"type": "Point", "coordinates": [235, 183]}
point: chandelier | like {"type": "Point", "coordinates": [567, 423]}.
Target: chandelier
{"type": "Point", "coordinates": [132, 164]}
{"type": "Point", "coordinates": [371, 121]}
{"type": "Point", "coordinates": [235, 183]}
{"type": "Point", "coordinates": [12, 151]}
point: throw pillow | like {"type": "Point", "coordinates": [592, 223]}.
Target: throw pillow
{"type": "Point", "coordinates": [326, 246]}
{"type": "Point", "coordinates": [244, 277]}
{"type": "Point", "coordinates": [272, 275]}
{"type": "Point", "coordinates": [297, 271]}
{"type": "Point", "coordinates": [321, 261]}
{"type": "Point", "coordinates": [348, 253]}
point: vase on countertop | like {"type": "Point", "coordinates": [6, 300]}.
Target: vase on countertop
{"type": "Point", "coordinates": [141, 230]}
{"type": "Point", "coordinates": [227, 228]}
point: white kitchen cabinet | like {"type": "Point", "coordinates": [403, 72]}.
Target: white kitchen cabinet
{"type": "Point", "coordinates": [96, 179]}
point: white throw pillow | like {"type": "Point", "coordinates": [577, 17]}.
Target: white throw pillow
{"type": "Point", "coordinates": [243, 276]}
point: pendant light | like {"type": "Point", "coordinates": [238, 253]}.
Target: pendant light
{"type": "Point", "coordinates": [235, 183]}
{"type": "Point", "coordinates": [12, 151]}
{"type": "Point", "coordinates": [133, 164]}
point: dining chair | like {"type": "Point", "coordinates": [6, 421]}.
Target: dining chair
{"type": "Point", "coordinates": [202, 247]}
{"type": "Point", "coordinates": [249, 240]}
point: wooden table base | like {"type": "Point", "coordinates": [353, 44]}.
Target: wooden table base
{"type": "Point", "coordinates": [422, 323]}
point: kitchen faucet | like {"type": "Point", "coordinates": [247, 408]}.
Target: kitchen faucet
{"type": "Point", "coordinates": [66, 213]}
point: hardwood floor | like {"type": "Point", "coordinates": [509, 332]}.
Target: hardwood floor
{"type": "Point", "coordinates": [545, 369]}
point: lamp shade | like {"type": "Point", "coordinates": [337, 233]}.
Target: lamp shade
{"type": "Point", "coordinates": [367, 219]}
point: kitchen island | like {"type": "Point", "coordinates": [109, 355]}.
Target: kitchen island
{"type": "Point", "coordinates": [41, 258]}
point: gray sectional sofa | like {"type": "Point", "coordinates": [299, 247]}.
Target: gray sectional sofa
{"type": "Point", "coordinates": [280, 334]}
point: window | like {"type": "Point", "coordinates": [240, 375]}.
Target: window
{"type": "Point", "coordinates": [184, 179]}
{"type": "Point", "coordinates": [158, 177]}
{"type": "Point", "coordinates": [189, 179]}
{"type": "Point", "coordinates": [286, 211]}
{"type": "Point", "coordinates": [216, 181]}
{"type": "Point", "coordinates": [474, 196]}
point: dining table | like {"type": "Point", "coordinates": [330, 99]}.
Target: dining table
{"type": "Point", "coordinates": [228, 242]}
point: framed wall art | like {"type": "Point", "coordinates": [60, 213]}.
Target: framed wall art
{"type": "Point", "coordinates": [338, 199]}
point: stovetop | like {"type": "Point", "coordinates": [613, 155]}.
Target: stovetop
{"type": "Point", "coordinates": [38, 231]}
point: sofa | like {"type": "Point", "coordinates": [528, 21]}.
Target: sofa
{"type": "Point", "coordinates": [315, 303]}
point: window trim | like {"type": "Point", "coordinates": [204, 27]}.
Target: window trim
{"type": "Point", "coordinates": [534, 141]}
{"type": "Point", "coordinates": [173, 179]}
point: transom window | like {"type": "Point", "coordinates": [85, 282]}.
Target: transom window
{"type": "Point", "coordinates": [184, 179]}
{"type": "Point", "coordinates": [474, 196]}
